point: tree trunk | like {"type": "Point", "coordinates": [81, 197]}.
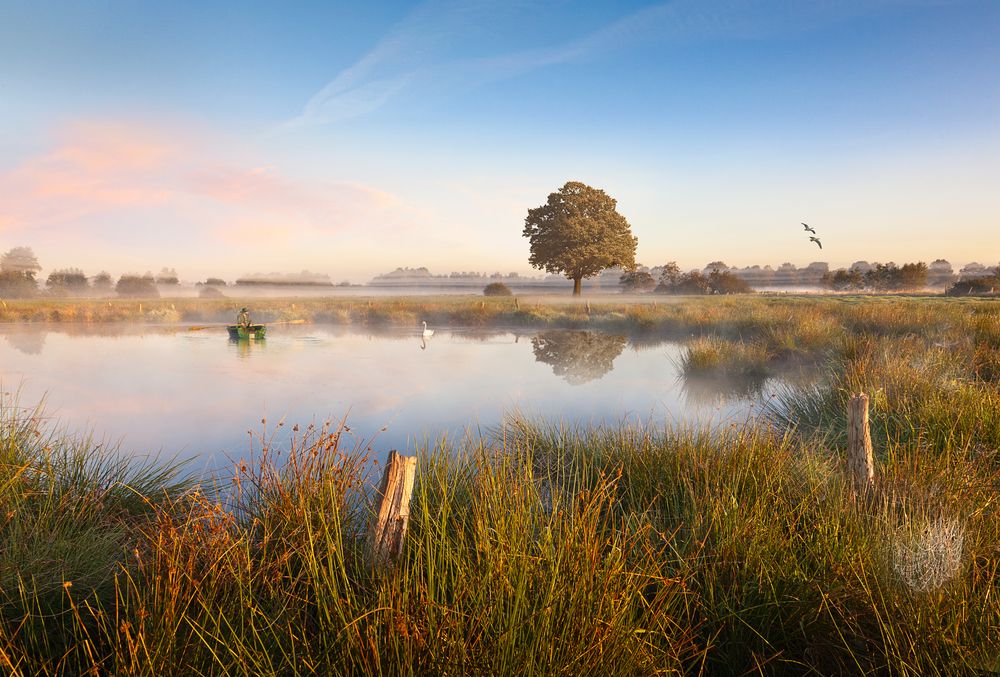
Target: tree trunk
{"type": "Point", "coordinates": [393, 511]}
{"type": "Point", "coordinates": [577, 286]}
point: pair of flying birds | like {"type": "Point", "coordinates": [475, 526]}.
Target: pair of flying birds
{"type": "Point", "coordinates": [812, 238]}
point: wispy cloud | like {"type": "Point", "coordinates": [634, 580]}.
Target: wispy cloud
{"type": "Point", "coordinates": [413, 49]}
{"type": "Point", "coordinates": [96, 169]}
{"type": "Point", "coordinates": [434, 49]}
{"type": "Point", "coordinates": [93, 167]}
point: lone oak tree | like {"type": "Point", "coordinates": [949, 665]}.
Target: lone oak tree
{"type": "Point", "coordinates": [579, 233]}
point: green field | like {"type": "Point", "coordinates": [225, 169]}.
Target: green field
{"type": "Point", "coordinates": [537, 549]}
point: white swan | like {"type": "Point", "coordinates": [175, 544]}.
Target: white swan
{"type": "Point", "coordinates": [428, 332]}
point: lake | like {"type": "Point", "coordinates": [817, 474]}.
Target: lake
{"type": "Point", "coordinates": [194, 394]}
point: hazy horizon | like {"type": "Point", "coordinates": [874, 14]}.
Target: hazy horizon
{"type": "Point", "coordinates": [349, 140]}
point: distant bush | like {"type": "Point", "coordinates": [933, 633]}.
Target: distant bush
{"type": "Point", "coordinates": [137, 287]}
{"type": "Point", "coordinates": [724, 282]}
{"type": "Point", "coordinates": [214, 282]}
{"type": "Point", "coordinates": [878, 277]}
{"type": "Point", "coordinates": [211, 293]}
{"type": "Point", "coordinates": [14, 284]}
{"type": "Point", "coordinates": [167, 276]}
{"type": "Point", "coordinates": [977, 285]}
{"type": "Point", "coordinates": [102, 282]}
{"type": "Point", "coordinates": [672, 281]}
{"type": "Point", "coordinates": [637, 281]}
{"type": "Point", "coordinates": [843, 279]}
{"type": "Point", "coordinates": [890, 277]}
{"type": "Point", "coordinates": [687, 283]}
{"type": "Point", "coordinates": [67, 281]}
{"type": "Point", "coordinates": [497, 289]}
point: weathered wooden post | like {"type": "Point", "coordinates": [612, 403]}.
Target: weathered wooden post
{"type": "Point", "coordinates": [393, 513]}
{"type": "Point", "coordinates": [860, 465]}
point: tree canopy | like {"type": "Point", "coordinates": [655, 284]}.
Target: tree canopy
{"type": "Point", "coordinates": [137, 287]}
{"type": "Point", "coordinates": [578, 232]}
{"type": "Point", "coordinates": [637, 281]}
{"type": "Point", "coordinates": [67, 281]}
{"type": "Point", "coordinates": [20, 260]}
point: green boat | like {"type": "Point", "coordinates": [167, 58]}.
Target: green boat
{"type": "Point", "coordinates": [238, 332]}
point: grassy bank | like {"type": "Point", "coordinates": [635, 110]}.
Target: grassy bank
{"type": "Point", "coordinates": [540, 550]}
{"type": "Point", "coordinates": [789, 322]}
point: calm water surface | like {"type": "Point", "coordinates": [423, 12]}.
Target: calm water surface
{"type": "Point", "coordinates": [196, 395]}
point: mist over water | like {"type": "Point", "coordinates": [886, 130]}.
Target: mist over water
{"type": "Point", "coordinates": [195, 394]}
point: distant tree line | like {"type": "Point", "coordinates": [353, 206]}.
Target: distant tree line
{"type": "Point", "coordinates": [974, 278]}
{"type": "Point", "coordinates": [19, 268]}
{"type": "Point", "coordinates": [497, 289]}
{"type": "Point", "coordinates": [987, 282]}
{"type": "Point", "coordinates": [672, 281]}
{"type": "Point", "coordinates": [878, 277]}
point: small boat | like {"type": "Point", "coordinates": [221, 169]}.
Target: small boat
{"type": "Point", "coordinates": [238, 332]}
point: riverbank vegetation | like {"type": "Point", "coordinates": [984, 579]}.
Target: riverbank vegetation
{"type": "Point", "coordinates": [666, 314]}
{"type": "Point", "coordinates": [624, 550]}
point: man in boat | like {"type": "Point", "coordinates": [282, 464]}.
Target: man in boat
{"type": "Point", "coordinates": [243, 319]}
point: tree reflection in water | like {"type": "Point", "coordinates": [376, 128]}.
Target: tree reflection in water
{"type": "Point", "coordinates": [28, 342]}
{"type": "Point", "coordinates": [578, 356]}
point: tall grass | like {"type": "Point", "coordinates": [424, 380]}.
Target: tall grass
{"type": "Point", "coordinates": [615, 551]}
{"type": "Point", "coordinates": [70, 507]}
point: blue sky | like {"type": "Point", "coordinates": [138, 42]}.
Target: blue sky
{"type": "Point", "coordinates": [348, 139]}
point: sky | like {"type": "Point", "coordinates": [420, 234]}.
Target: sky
{"type": "Point", "coordinates": [228, 138]}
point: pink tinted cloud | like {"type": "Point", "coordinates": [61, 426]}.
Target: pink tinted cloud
{"type": "Point", "coordinates": [93, 167]}
{"type": "Point", "coordinates": [263, 187]}
{"type": "Point", "coordinates": [98, 168]}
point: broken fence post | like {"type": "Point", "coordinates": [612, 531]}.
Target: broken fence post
{"type": "Point", "coordinates": [393, 512]}
{"type": "Point", "coordinates": [860, 465]}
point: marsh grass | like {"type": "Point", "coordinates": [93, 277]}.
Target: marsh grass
{"type": "Point", "coordinates": [624, 550]}
{"type": "Point", "coordinates": [542, 549]}
{"type": "Point", "coordinates": [70, 506]}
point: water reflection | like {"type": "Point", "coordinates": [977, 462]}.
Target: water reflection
{"type": "Point", "coordinates": [245, 347]}
{"type": "Point", "coordinates": [712, 387]}
{"type": "Point", "coordinates": [702, 389]}
{"type": "Point", "coordinates": [170, 389]}
{"type": "Point", "coordinates": [578, 356]}
{"type": "Point", "coordinates": [27, 342]}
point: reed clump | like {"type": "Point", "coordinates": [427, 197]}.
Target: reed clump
{"type": "Point", "coordinates": [72, 509]}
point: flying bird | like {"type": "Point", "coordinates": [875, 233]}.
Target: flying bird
{"type": "Point", "coordinates": [816, 240]}
{"type": "Point", "coordinates": [806, 225]}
